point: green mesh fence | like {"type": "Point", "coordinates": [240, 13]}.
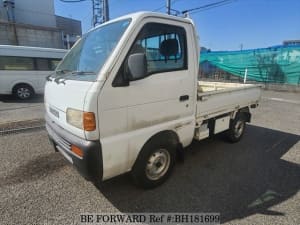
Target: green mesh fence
{"type": "Point", "coordinates": [269, 65]}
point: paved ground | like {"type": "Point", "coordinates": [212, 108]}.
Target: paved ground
{"type": "Point", "coordinates": [255, 181]}
{"type": "Point", "coordinates": [12, 109]}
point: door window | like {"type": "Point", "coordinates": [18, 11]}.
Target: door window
{"type": "Point", "coordinates": [164, 46]}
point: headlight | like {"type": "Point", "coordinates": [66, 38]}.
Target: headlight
{"type": "Point", "coordinates": [75, 118]}
{"type": "Point", "coordinates": [81, 120]}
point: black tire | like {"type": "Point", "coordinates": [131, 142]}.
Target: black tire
{"type": "Point", "coordinates": [97, 183]}
{"type": "Point", "coordinates": [156, 155]}
{"type": "Point", "coordinates": [236, 128]}
{"type": "Point", "coordinates": [23, 91]}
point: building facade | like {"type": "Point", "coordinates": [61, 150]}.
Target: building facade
{"type": "Point", "coordinates": [34, 23]}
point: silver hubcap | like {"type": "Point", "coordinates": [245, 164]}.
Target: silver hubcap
{"type": "Point", "coordinates": [238, 128]}
{"type": "Point", "coordinates": [23, 92]}
{"type": "Point", "coordinates": [158, 164]}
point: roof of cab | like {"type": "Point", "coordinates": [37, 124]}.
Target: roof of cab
{"type": "Point", "coordinates": [144, 14]}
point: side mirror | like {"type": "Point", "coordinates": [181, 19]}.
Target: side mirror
{"type": "Point", "coordinates": [137, 66]}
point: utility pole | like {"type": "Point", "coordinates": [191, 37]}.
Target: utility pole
{"type": "Point", "coordinates": [10, 10]}
{"type": "Point", "coordinates": [100, 11]}
{"type": "Point", "coordinates": [168, 6]}
{"type": "Point", "coordinates": [105, 9]}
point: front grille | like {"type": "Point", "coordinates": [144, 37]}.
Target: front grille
{"type": "Point", "coordinates": [61, 142]}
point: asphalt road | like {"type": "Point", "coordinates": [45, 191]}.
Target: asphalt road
{"type": "Point", "coordinates": [13, 110]}
{"type": "Point", "coordinates": [255, 181]}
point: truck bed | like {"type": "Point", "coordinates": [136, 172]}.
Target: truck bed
{"type": "Point", "coordinates": [216, 98]}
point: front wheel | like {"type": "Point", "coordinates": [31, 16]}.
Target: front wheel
{"type": "Point", "coordinates": [154, 164]}
{"type": "Point", "coordinates": [236, 128]}
{"type": "Point", "coordinates": [23, 91]}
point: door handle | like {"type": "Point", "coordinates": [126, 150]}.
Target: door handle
{"type": "Point", "coordinates": [183, 98]}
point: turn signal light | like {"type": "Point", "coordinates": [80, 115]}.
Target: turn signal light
{"type": "Point", "coordinates": [77, 151]}
{"type": "Point", "coordinates": [89, 121]}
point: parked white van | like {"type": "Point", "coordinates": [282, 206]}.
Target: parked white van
{"type": "Point", "coordinates": [23, 70]}
{"type": "Point", "coordinates": [126, 99]}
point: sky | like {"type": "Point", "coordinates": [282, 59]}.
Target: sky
{"type": "Point", "coordinates": [245, 24]}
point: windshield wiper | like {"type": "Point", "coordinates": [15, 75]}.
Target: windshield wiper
{"type": "Point", "coordinates": [59, 80]}
{"type": "Point", "coordinates": [83, 72]}
{"type": "Point", "coordinates": [62, 75]}
{"type": "Point", "coordinates": [55, 75]}
{"type": "Point", "coordinates": [63, 71]}
{"type": "Point", "coordinates": [48, 78]}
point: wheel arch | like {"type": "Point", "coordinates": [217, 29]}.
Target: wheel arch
{"type": "Point", "coordinates": [16, 84]}
{"type": "Point", "coordinates": [246, 113]}
{"type": "Point", "coordinates": [139, 173]}
{"type": "Point", "coordinates": [169, 135]}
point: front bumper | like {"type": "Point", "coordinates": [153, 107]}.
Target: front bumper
{"type": "Point", "coordinates": [90, 165]}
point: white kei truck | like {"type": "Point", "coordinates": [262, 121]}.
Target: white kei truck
{"type": "Point", "coordinates": [126, 98]}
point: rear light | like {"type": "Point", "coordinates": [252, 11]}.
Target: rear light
{"type": "Point", "coordinates": [89, 121]}
{"type": "Point", "coordinates": [77, 151]}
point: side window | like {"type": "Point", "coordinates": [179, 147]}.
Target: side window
{"type": "Point", "coordinates": [165, 49]}
{"type": "Point", "coordinates": [46, 64]}
{"type": "Point", "coordinates": [42, 64]}
{"type": "Point", "coordinates": [54, 63]}
{"type": "Point", "coordinates": [164, 46]}
{"type": "Point", "coordinates": [16, 63]}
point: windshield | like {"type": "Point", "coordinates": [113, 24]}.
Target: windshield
{"type": "Point", "coordinates": [87, 57]}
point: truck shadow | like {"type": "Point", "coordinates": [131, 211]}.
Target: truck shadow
{"type": "Point", "coordinates": [235, 180]}
{"type": "Point", "coordinates": [35, 169]}
{"type": "Point", "coordinates": [13, 99]}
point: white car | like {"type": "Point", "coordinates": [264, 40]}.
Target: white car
{"type": "Point", "coordinates": [23, 70]}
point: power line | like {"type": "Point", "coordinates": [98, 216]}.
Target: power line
{"type": "Point", "coordinates": [155, 10]}
{"type": "Point", "coordinates": [164, 6]}
{"type": "Point", "coordinates": [197, 9]}
{"type": "Point", "coordinates": [208, 6]}
{"type": "Point", "coordinates": [226, 3]}
{"type": "Point", "coordinates": [70, 1]}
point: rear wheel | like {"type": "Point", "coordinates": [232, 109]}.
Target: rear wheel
{"type": "Point", "coordinates": [154, 164]}
{"type": "Point", "coordinates": [236, 128]}
{"type": "Point", "coordinates": [23, 91]}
